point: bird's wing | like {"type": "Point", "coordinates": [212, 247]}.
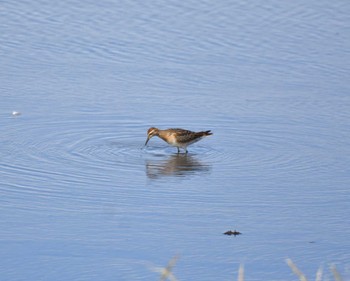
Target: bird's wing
{"type": "Point", "coordinates": [183, 136]}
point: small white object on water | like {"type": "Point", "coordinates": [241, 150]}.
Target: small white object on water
{"type": "Point", "coordinates": [16, 113]}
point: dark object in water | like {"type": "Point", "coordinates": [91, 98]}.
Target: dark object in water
{"type": "Point", "coordinates": [230, 232]}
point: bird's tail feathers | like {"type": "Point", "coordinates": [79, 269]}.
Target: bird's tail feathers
{"type": "Point", "coordinates": [207, 133]}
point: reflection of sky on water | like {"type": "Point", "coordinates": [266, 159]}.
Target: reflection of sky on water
{"type": "Point", "coordinates": [270, 79]}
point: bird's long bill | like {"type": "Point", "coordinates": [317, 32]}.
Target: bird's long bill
{"type": "Point", "coordinates": [148, 138]}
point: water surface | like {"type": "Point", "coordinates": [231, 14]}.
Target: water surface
{"type": "Point", "coordinates": [82, 200]}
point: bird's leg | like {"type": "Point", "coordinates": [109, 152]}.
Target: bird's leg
{"type": "Point", "coordinates": [178, 150]}
{"type": "Point", "coordinates": [186, 151]}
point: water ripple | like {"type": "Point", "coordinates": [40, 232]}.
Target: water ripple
{"type": "Point", "coordinates": [49, 157]}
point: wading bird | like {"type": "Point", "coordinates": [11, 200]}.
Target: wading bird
{"type": "Point", "coordinates": [179, 138]}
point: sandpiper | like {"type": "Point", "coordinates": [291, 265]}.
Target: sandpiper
{"type": "Point", "coordinates": [177, 137]}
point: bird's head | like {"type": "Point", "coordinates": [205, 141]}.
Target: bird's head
{"type": "Point", "coordinates": [151, 133]}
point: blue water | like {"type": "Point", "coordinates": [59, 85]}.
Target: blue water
{"type": "Point", "coordinates": [80, 199]}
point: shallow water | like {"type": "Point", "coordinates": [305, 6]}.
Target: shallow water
{"type": "Point", "coordinates": [81, 199]}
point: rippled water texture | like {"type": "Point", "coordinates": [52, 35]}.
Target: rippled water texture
{"type": "Point", "coordinates": [82, 81]}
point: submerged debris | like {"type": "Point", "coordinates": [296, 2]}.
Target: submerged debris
{"type": "Point", "coordinates": [230, 232]}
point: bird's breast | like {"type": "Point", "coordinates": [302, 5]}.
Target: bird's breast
{"type": "Point", "coordinates": [171, 139]}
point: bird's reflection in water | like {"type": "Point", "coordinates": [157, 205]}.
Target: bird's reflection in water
{"type": "Point", "coordinates": [175, 165]}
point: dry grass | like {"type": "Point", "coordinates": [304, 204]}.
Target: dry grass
{"type": "Point", "coordinates": [241, 273]}
{"type": "Point", "coordinates": [302, 277]}
{"type": "Point", "coordinates": [166, 272]}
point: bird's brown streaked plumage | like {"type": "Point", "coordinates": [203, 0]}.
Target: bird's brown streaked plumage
{"type": "Point", "coordinates": [179, 138]}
